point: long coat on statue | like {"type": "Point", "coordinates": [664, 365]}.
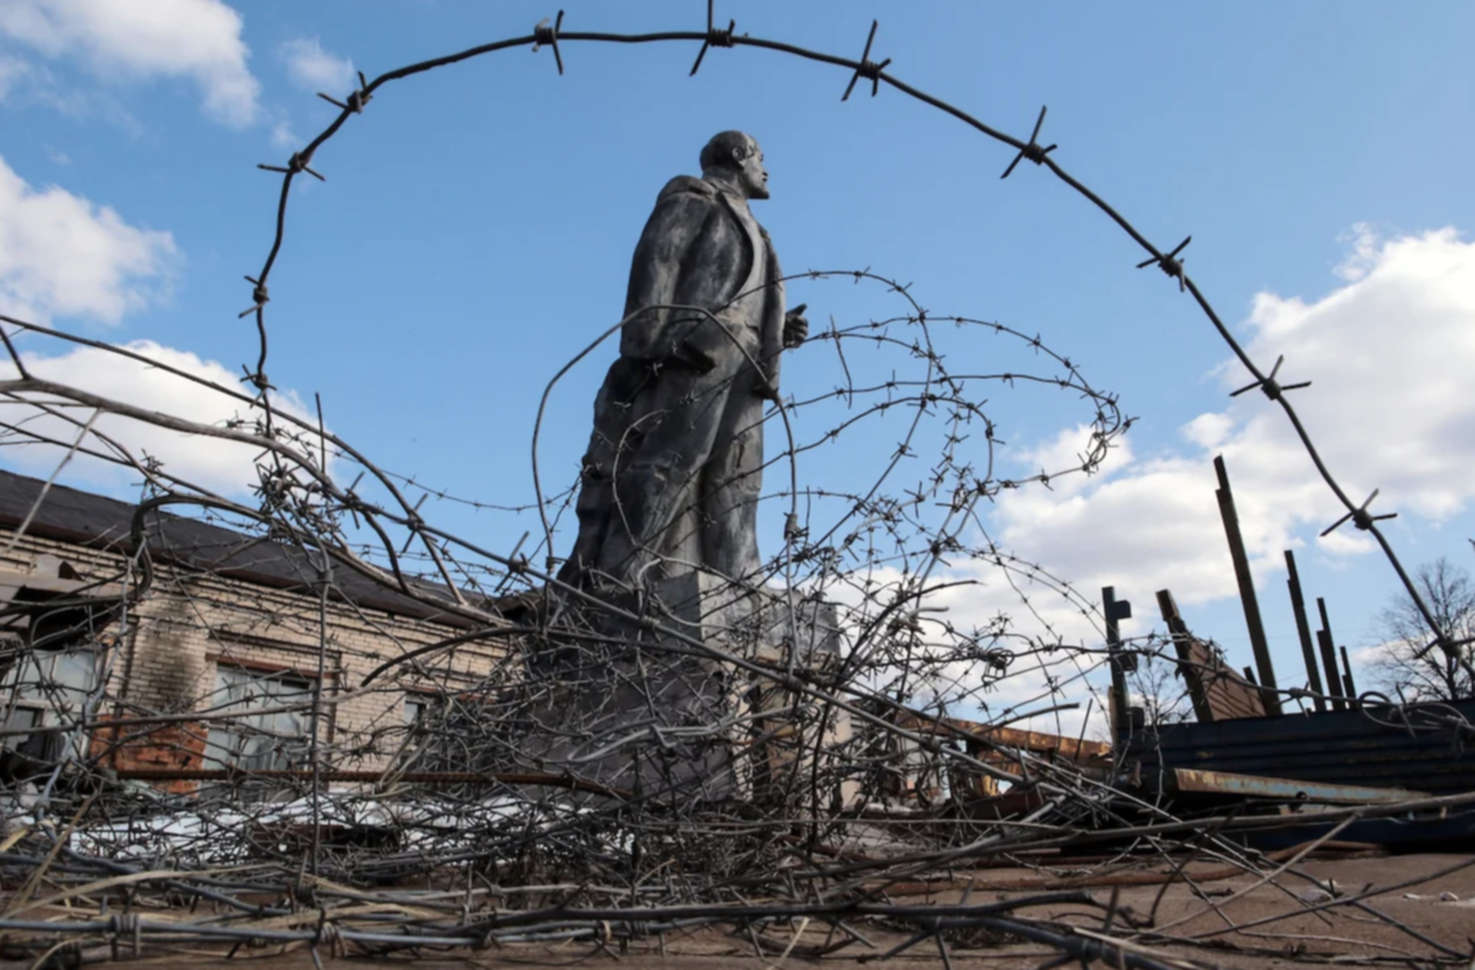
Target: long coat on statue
{"type": "Point", "coordinates": [671, 478]}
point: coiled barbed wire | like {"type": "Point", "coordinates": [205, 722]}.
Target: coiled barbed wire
{"type": "Point", "coordinates": [528, 794]}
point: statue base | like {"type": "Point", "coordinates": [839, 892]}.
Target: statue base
{"type": "Point", "coordinates": [650, 713]}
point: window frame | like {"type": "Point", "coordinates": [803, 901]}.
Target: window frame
{"type": "Point", "coordinates": [248, 743]}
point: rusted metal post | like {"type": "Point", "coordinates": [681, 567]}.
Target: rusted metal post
{"type": "Point", "coordinates": [1329, 658]}
{"type": "Point", "coordinates": [1182, 645]}
{"type": "Point", "coordinates": [1303, 630]}
{"type": "Point", "coordinates": [1352, 701]}
{"type": "Point", "coordinates": [1115, 610]}
{"type": "Point", "coordinates": [1269, 696]}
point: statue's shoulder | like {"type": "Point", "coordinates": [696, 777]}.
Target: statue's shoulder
{"type": "Point", "coordinates": [687, 185]}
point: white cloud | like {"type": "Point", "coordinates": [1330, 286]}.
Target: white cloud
{"type": "Point", "coordinates": [1044, 621]}
{"type": "Point", "coordinates": [1153, 520]}
{"type": "Point", "coordinates": [195, 39]}
{"type": "Point", "coordinates": [311, 67]}
{"type": "Point", "coordinates": [12, 71]}
{"type": "Point", "coordinates": [62, 255]}
{"type": "Point", "coordinates": [24, 83]}
{"type": "Point", "coordinates": [1389, 354]}
{"type": "Point", "coordinates": [1208, 430]}
{"type": "Point", "coordinates": [212, 463]}
{"type": "Point", "coordinates": [1362, 252]}
{"type": "Point", "coordinates": [282, 136]}
{"type": "Point", "coordinates": [1061, 457]}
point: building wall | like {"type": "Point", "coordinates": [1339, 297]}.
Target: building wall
{"type": "Point", "coordinates": [168, 657]}
{"type": "Point", "coordinates": [165, 663]}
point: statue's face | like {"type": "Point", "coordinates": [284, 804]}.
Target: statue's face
{"type": "Point", "coordinates": [752, 176]}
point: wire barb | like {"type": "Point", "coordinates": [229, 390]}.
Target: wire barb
{"type": "Point", "coordinates": [1360, 516]}
{"type": "Point", "coordinates": [356, 99]}
{"type": "Point", "coordinates": [1272, 388]}
{"type": "Point", "coordinates": [543, 35]}
{"type": "Point", "coordinates": [297, 163]}
{"type": "Point", "coordinates": [867, 68]}
{"type": "Point", "coordinates": [1169, 263]}
{"type": "Point", "coordinates": [256, 379]}
{"type": "Point", "coordinates": [714, 38]}
{"type": "Point", "coordinates": [1032, 151]}
{"type": "Point", "coordinates": [259, 296]}
{"type": "Point", "coordinates": [490, 674]}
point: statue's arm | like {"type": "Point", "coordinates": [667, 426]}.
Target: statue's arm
{"type": "Point", "coordinates": [679, 218]}
{"type": "Point", "coordinates": [796, 326]}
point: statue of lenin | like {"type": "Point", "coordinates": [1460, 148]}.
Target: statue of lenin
{"type": "Point", "coordinates": [670, 482]}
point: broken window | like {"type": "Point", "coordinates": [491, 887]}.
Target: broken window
{"type": "Point", "coordinates": [45, 691]}
{"type": "Point", "coordinates": [262, 720]}
{"type": "Point", "coordinates": [53, 618]}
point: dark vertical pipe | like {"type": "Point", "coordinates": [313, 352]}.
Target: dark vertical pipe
{"type": "Point", "coordinates": [1329, 658]}
{"type": "Point", "coordinates": [1303, 629]}
{"type": "Point", "coordinates": [1269, 696]}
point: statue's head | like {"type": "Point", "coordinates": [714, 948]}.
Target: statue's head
{"type": "Point", "coordinates": [736, 157]}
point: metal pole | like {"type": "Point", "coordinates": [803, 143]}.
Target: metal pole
{"type": "Point", "coordinates": [1269, 696]}
{"type": "Point", "coordinates": [1303, 630]}
{"type": "Point", "coordinates": [1329, 658]}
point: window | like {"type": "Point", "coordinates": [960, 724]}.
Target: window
{"type": "Point", "coordinates": [46, 689]}
{"type": "Point", "coordinates": [416, 707]}
{"type": "Point", "coordinates": [39, 746]}
{"type": "Point", "coordinates": [425, 733]}
{"type": "Point", "coordinates": [252, 732]}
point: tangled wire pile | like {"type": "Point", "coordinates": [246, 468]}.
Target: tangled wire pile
{"type": "Point", "coordinates": [319, 718]}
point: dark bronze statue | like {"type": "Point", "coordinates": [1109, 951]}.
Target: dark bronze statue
{"type": "Point", "coordinates": [671, 478]}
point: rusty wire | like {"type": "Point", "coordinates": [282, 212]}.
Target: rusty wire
{"type": "Point", "coordinates": [1170, 262]}
{"type": "Point", "coordinates": [522, 803]}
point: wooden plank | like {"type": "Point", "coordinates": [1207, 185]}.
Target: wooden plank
{"type": "Point", "coordinates": [1225, 695]}
{"type": "Point", "coordinates": [1230, 695]}
{"type": "Point", "coordinates": [1035, 742]}
{"type": "Point", "coordinates": [1113, 610]}
{"type": "Point", "coordinates": [1189, 666]}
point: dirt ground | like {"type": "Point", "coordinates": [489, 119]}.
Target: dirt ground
{"type": "Point", "coordinates": [1410, 908]}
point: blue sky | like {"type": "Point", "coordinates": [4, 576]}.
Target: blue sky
{"type": "Point", "coordinates": [476, 223]}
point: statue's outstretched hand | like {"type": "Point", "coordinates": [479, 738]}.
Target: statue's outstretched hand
{"type": "Point", "coordinates": [796, 327]}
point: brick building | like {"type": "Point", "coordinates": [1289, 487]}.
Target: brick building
{"type": "Point", "coordinates": [227, 623]}
{"type": "Point", "coordinates": [209, 673]}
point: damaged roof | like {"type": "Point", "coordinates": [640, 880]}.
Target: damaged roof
{"type": "Point", "coordinates": [97, 522]}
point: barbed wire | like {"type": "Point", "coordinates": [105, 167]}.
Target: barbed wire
{"type": "Point", "coordinates": [318, 717]}
{"type": "Point", "coordinates": [1171, 262]}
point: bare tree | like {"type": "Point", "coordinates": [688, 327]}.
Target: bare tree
{"type": "Point", "coordinates": [1157, 687]}
{"type": "Point", "coordinates": [1409, 665]}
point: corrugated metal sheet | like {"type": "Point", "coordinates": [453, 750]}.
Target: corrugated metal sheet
{"type": "Point", "coordinates": [1200, 781]}
{"type": "Point", "coordinates": [1433, 752]}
